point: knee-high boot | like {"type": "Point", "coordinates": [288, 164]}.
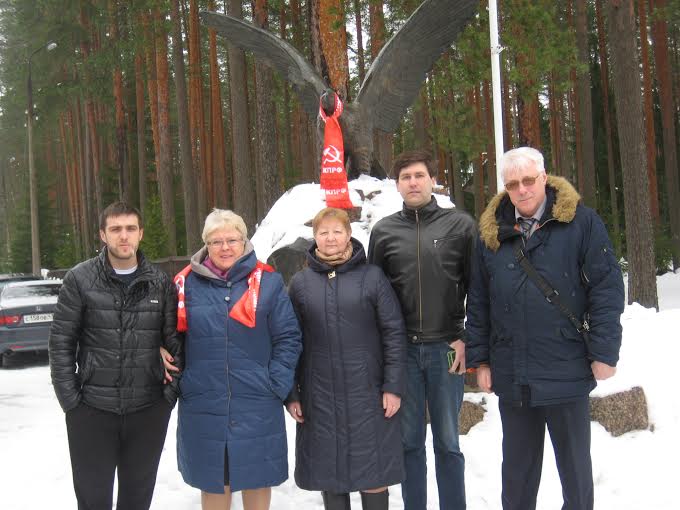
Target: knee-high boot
{"type": "Point", "coordinates": [375, 500]}
{"type": "Point", "coordinates": [335, 501]}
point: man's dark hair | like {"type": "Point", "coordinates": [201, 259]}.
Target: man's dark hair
{"type": "Point", "coordinates": [410, 157]}
{"type": "Point", "coordinates": [119, 209]}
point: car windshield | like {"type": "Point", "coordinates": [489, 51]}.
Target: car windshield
{"type": "Point", "coordinates": [30, 291]}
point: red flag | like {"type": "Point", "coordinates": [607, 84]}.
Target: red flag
{"type": "Point", "coordinates": [333, 174]}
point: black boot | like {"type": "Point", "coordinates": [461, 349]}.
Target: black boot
{"type": "Point", "coordinates": [375, 500]}
{"type": "Point", "coordinates": [335, 501]}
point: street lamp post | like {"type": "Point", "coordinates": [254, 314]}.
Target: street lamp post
{"type": "Point", "coordinates": [32, 178]}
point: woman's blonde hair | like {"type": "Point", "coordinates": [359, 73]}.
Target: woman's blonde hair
{"type": "Point", "coordinates": [331, 213]}
{"type": "Point", "coordinates": [223, 218]}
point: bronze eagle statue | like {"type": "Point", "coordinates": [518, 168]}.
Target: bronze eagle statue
{"type": "Point", "coordinates": [391, 83]}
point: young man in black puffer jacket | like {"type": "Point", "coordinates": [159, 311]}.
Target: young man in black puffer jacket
{"type": "Point", "coordinates": [114, 313]}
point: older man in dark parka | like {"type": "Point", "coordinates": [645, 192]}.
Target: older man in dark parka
{"type": "Point", "coordinates": [526, 349]}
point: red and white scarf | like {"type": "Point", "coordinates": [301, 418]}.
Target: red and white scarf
{"type": "Point", "coordinates": [244, 311]}
{"type": "Point", "coordinates": [333, 174]}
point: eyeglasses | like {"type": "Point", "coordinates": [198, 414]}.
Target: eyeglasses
{"type": "Point", "coordinates": [526, 182]}
{"type": "Point", "coordinates": [218, 243]}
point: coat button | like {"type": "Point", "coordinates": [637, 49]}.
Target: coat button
{"type": "Point", "coordinates": [229, 284]}
{"type": "Point", "coordinates": [227, 299]}
{"type": "Point", "coordinates": [511, 266]}
{"type": "Point", "coordinates": [414, 337]}
{"type": "Point", "coordinates": [118, 330]}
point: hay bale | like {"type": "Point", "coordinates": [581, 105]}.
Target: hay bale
{"type": "Point", "coordinates": [470, 415]}
{"type": "Point", "coordinates": [621, 412]}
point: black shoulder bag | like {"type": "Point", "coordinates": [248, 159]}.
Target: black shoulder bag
{"type": "Point", "coordinates": [550, 293]}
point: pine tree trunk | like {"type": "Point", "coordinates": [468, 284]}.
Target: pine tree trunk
{"type": "Point", "coordinates": [268, 184]}
{"type": "Point", "coordinates": [88, 223]}
{"type": "Point", "coordinates": [90, 183]}
{"type": "Point", "coordinates": [124, 190]}
{"type": "Point", "coordinates": [508, 138]}
{"type": "Point", "coordinates": [284, 132]}
{"type": "Point", "coordinates": [152, 84]}
{"type": "Point", "coordinates": [199, 152]}
{"type": "Point", "coordinates": [95, 151]}
{"type": "Point", "coordinates": [360, 41]}
{"type": "Point", "coordinates": [301, 142]}
{"type": "Point", "coordinates": [554, 124]}
{"type": "Point", "coordinates": [192, 220]}
{"type": "Point", "coordinates": [382, 141]}
{"type": "Point", "coordinates": [333, 36]}
{"type": "Point", "coordinates": [585, 107]}
{"type": "Point", "coordinates": [141, 139]}
{"type": "Point", "coordinates": [222, 196]}
{"type": "Point", "coordinates": [319, 63]}
{"type": "Point", "coordinates": [245, 200]}
{"type": "Point", "coordinates": [649, 113]}
{"type": "Point", "coordinates": [490, 144]}
{"type": "Point", "coordinates": [421, 121]}
{"type": "Point", "coordinates": [68, 174]}
{"type": "Point", "coordinates": [630, 121]}
{"type": "Point", "coordinates": [477, 162]}
{"type": "Point", "coordinates": [164, 171]}
{"type": "Point", "coordinates": [611, 172]}
{"type": "Point", "coordinates": [566, 109]}
{"type": "Point", "coordinates": [663, 72]}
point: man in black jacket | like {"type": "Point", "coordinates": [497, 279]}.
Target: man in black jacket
{"type": "Point", "coordinates": [114, 313]}
{"type": "Point", "coordinates": [425, 251]}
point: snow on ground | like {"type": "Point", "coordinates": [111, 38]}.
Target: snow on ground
{"type": "Point", "coordinates": [634, 471]}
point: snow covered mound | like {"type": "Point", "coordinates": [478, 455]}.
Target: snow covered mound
{"type": "Point", "coordinates": [286, 219]}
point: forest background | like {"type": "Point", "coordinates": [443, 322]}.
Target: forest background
{"type": "Point", "coordinates": [138, 101]}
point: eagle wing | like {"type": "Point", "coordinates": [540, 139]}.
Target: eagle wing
{"type": "Point", "coordinates": [278, 53]}
{"type": "Point", "coordinates": [395, 77]}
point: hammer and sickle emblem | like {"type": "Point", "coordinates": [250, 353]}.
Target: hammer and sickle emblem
{"type": "Point", "coordinates": [331, 155]}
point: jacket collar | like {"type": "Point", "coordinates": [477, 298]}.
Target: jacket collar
{"type": "Point", "coordinates": [358, 258]}
{"type": "Point", "coordinates": [423, 213]}
{"type": "Point", "coordinates": [497, 222]}
{"type": "Point", "coordinates": [143, 266]}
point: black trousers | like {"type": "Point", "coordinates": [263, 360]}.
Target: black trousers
{"type": "Point", "coordinates": [101, 442]}
{"type": "Point", "coordinates": [523, 440]}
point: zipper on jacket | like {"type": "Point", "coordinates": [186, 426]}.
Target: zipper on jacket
{"type": "Point", "coordinates": [420, 285]}
{"type": "Point", "coordinates": [121, 350]}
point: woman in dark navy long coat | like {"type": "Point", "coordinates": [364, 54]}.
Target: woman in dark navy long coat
{"type": "Point", "coordinates": [242, 346]}
{"type": "Point", "coordinates": [352, 373]}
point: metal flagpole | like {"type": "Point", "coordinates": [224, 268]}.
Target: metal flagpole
{"type": "Point", "coordinates": [496, 86]}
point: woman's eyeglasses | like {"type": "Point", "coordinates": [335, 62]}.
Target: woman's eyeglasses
{"type": "Point", "coordinates": [218, 243]}
{"type": "Point", "coordinates": [526, 182]}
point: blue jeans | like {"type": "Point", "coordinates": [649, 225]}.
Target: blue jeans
{"type": "Point", "coordinates": [429, 381]}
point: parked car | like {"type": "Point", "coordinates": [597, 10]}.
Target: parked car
{"type": "Point", "coordinates": [16, 277]}
{"type": "Point", "coordinates": [26, 313]}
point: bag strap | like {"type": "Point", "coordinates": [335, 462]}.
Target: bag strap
{"type": "Point", "coordinates": [550, 293]}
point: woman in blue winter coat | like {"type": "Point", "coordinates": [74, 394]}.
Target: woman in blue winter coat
{"type": "Point", "coordinates": [351, 376]}
{"type": "Point", "coordinates": [242, 346]}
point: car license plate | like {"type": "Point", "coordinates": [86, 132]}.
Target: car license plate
{"type": "Point", "coordinates": [38, 317]}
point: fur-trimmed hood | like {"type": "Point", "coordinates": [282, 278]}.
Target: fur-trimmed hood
{"type": "Point", "coordinates": [566, 198]}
